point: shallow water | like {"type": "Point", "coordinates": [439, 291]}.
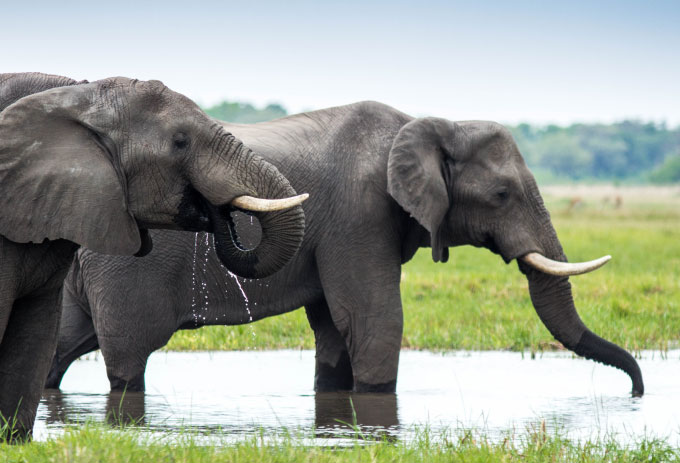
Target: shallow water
{"type": "Point", "coordinates": [233, 394]}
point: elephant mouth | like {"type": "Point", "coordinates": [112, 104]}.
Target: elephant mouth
{"type": "Point", "coordinates": [195, 211]}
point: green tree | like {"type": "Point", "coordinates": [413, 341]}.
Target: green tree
{"type": "Point", "coordinates": [668, 172]}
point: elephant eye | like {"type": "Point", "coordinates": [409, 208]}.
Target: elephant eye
{"type": "Point", "coordinates": [502, 195]}
{"type": "Point", "coordinates": [180, 140]}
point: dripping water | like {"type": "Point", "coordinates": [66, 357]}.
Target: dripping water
{"type": "Point", "coordinates": [204, 280]}
{"type": "Point", "coordinates": [194, 312]}
{"type": "Point", "coordinates": [245, 299]}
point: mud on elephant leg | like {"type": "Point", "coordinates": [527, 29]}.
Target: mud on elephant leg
{"type": "Point", "coordinates": [29, 339]}
{"type": "Point", "coordinates": [333, 368]}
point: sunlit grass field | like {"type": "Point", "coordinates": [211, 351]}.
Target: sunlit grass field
{"type": "Point", "coordinates": [475, 301]}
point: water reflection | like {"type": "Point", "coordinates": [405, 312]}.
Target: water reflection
{"type": "Point", "coordinates": [236, 393]}
{"type": "Point", "coordinates": [372, 414]}
{"type": "Point", "coordinates": [121, 409]}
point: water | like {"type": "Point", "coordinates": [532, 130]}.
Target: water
{"type": "Point", "coordinates": [234, 394]}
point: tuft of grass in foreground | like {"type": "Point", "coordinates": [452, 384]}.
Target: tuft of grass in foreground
{"type": "Point", "coordinates": [475, 301]}
{"type": "Point", "coordinates": [95, 444]}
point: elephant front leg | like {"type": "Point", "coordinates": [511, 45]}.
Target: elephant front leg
{"type": "Point", "coordinates": [25, 355]}
{"type": "Point", "coordinates": [333, 370]}
{"type": "Point", "coordinates": [365, 305]}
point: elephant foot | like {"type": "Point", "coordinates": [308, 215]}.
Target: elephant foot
{"type": "Point", "coordinates": [334, 378]}
{"type": "Point", "coordinates": [390, 387]}
{"type": "Point", "coordinates": [136, 384]}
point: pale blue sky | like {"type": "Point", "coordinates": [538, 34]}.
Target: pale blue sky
{"type": "Point", "coordinates": [509, 61]}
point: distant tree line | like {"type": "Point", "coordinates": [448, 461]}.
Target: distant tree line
{"type": "Point", "coordinates": [245, 113]}
{"type": "Point", "coordinates": [625, 151]}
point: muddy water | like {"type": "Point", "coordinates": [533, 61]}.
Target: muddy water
{"type": "Point", "coordinates": [234, 394]}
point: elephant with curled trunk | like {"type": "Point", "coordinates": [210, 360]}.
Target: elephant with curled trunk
{"type": "Point", "coordinates": [98, 164]}
{"type": "Point", "coordinates": [382, 184]}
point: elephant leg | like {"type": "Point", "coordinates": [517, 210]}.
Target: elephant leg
{"type": "Point", "coordinates": [125, 362]}
{"type": "Point", "coordinates": [362, 291]}
{"type": "Point", "coordinates": [77, 336]}
{"type": "Point", "coordinates": [333, 367]}
{"type": "Point", "coordinates": [26, 351]}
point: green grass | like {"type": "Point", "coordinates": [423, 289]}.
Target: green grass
{"type": "Point", "coordinates": [96, 444]}
{"type": "Point", "coordinates": [475, 301]}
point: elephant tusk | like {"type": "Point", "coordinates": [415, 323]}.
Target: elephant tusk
{"type": "Point", "coordinates": [553, 267]}
{"type": "Point", "coordinates": [250, 203]}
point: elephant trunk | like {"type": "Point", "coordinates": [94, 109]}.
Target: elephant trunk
{"type": "Point", "coordinates": [552, 298]}
{"type": "Point", "coordinates": [282, 222]}
{"type": "Point", "coordinates": [282, 233]}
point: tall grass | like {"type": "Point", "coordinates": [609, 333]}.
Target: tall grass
{"type": "Point", "coordinates": [96, 444]}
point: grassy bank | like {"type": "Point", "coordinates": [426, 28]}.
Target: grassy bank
{"type": "Point", "coordinates": [475, 301]}
{"type": "Point", "coordinates": [90, 443]}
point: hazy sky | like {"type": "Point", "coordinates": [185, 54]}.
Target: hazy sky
{"type": "Point", "coordinates": [510, 61]}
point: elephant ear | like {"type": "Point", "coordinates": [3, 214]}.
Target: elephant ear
{"type": "Point", "coordinates": [57, 179]}
{"type": "Point", "coordinates": [416, 175]}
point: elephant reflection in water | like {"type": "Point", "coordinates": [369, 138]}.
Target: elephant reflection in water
{"type": "Point", "coordinates": [122, 408]}
{"type": "Point", "coordinates": [374, 414]}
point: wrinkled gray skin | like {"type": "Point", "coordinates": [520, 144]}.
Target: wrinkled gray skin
{"type": "Point", "coordinates": [97, 164]}
{"type": "Point", "coordinates": [381, 185]}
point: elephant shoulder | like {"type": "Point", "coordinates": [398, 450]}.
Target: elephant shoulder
{"type": "Point", "coordinates": [378, 114]}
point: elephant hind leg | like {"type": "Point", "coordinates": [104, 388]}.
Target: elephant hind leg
{"type": "Point", "coordinates": [125, 362]}
{"type": "Point", "coordinates": [333, 366]}
{"type": "Point", "coordinates": [77, 336]}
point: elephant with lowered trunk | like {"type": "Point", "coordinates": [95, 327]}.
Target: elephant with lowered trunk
{"type": "Point", "coordinates": [382, 185]}
{"type": "Point", "coordinates": [98, 164]}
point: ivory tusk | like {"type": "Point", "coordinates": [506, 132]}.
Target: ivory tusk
{"type": "Point", "coordinates": [553, 267]}
{"type": "Point", "coordinates": [251, 203]}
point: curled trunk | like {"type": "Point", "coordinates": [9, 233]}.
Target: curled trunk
{"type": "Point", "coordinates": [282, 234]}
{"type": "Point", "coordinates": [282, 230]}
{"type": "Point", "coordinates": [552, 298]}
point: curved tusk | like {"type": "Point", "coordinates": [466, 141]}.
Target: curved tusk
{"type": "Point", "coordinates": [553, 267]}
{"type": "Point", "coordinates": [251, 203]}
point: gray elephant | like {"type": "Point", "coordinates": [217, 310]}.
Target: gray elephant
{"type": "Point", "coordinates": [382, 185]}
{"type": "Point", "coordinates": [98, 164]}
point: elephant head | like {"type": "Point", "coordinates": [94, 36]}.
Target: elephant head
{"type": "Point", "coordinates": [100, 163]}
{"type": "Point", "coordinates": [467, 183]}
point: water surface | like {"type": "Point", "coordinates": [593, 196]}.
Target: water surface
{"type": "Point", "coordinates": [234, 394]}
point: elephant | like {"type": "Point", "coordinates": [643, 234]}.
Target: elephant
{"type": "Point", "coordinates": [97, 165]}
{"type": "Point", "coordinates": [382, 185]}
